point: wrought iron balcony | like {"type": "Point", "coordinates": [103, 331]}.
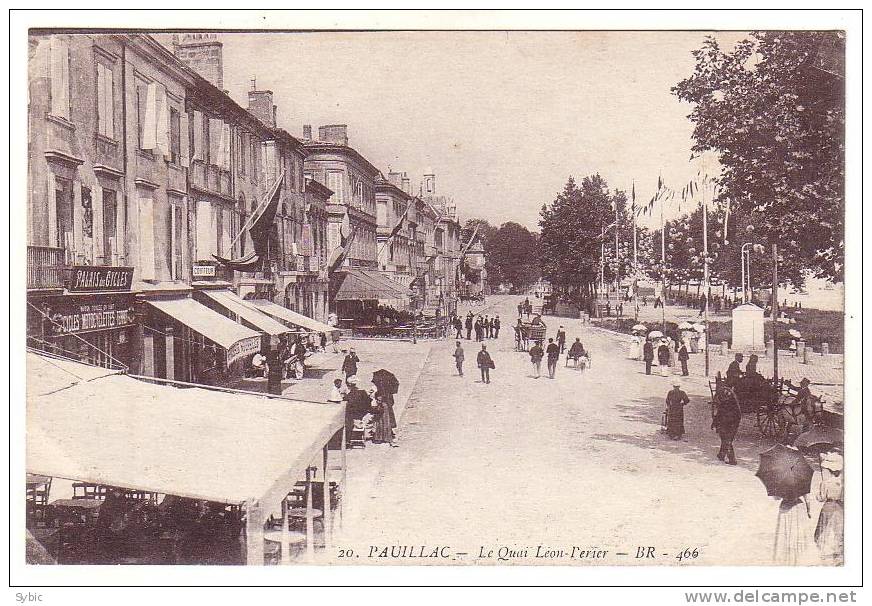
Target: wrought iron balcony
{"type": "Point", "coordinates": [47, 267]}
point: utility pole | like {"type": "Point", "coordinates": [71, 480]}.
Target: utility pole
{"type": "Point", "coordinates": [635, 261]}
{"type": "Point", "coordinates": [662, 266]}
{"type": "Point", "coordinates": [774, 307]}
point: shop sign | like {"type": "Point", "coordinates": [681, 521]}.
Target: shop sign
{"type": "Point", "coordinates": [89, 278]}
{"type": "Point", "coordinates": [245, 347]}
{"type": "Point", "coordinates": [87, 317]}
{"type": "Point", "coordinates": [203, 271]}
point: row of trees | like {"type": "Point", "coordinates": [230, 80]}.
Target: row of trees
{"type": "Point", "coordinates": [772, 110]}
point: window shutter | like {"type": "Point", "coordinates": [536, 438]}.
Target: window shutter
{"type": "Point", "coordinates": [162, 121]}
{"type": "Point", "coordinates": [226, 227]}
{"type": "Point", "coordinates": [97, 214]}
{"type": "Point", "coordinates": [109, 84]}
{"type": "Point", "coordinates": [60, 77]}
{"type": "Point", "coordinates": [149, 129]}
{"type": "Point", "coordinates": [146, 238]}
{"type": "Point", "coordinates": [101, 99]}
{"type": "Point", "coordinates": [184, 144]}
{"type": "Point", "coordinates": [215, 131]}
{"type": "Point", "coordinates": [204, 229]}
{"type": "Point", "coordinates": [225, 145]}
{"type": "Point", "coordinates": [198, 135]}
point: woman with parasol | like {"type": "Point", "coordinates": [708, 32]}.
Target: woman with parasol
{"type": "Point", "coordinates": [386, 385]}
{"type": "Point", "coordinates": [830, 531]}
{"type": "Point", "coordinates": [787, 475]}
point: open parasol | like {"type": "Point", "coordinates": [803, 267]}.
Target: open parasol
{"type": "Point", "coordinates": [794, 333]}
{"type": "Point", "coordinates": [819, 438]}
{"type": "Point", "coordinates": [386, 381]}
{"type": "Point", "coordinates": [784, 472]}
{"type": "Point", "coordinates": [699, 327]}
{"type": "Point", "coordinates": [655, 334]}
{"type": "Point", "coordinates": [640, 327]}
{"type": "Point", "coordinates": [685, 326]}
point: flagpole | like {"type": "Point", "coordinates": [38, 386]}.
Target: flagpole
{"type": "Point", "coordinates": [705, 272]}
{"type": "Point", "coordinates": [635, 260]}
{"type": "Point", "coordinates": [662, 260]}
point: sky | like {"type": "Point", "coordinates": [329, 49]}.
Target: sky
{"type": "Point", "coordinates": [502, 118]}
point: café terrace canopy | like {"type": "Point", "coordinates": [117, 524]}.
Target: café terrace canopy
{"type": "Point", "coordinates": [196, 443]}
{"type": "Point", "coordinates": [233, 337]}
{"type": "Point", "coordinates": [290, 316]}
{"type": "Point", "coordinates": [253, 316]}
{"type": "Point", "coordinates": [358, 284]}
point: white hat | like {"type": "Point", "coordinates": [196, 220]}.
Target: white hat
{"type": "Point", "coordinates": [676, 382]}
{"type": "Point", "coordinates": [833, 461]}
{"type": "Point", "coordinates": [352, 379]}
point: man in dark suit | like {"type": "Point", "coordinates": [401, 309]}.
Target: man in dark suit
{"type": "Point", "coordinates": [648, 356]}
{"type": "Point", "coordinates": [469, 326]}
{"type": "Point", "coordinates": [485, 363]}
{"type": "Point", "coordinates": [683, 357]}
{"type": "Point", "coordinates": [734, 370]}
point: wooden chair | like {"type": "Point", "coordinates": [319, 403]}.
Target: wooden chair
{"type": "Point", "coordinates": [85, 490]}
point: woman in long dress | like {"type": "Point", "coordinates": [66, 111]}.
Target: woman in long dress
{"type": "Point", "coordinates": [793, 541]}
{"type": "Point", "coordinates": [384, 422]}
{"type": "Point", "coordinates": [830, 532]}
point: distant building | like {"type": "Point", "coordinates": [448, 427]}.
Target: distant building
{"type": "Point", "coordinates": [446, 277]}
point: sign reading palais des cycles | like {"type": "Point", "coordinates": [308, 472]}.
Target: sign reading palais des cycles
{"type": "Point", "coordinates": [68, 318]}
{"type": "Point", "coordinates": [88, 278]}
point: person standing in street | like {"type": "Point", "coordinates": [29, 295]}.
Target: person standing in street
{"type": "Point", "coordinates": [829, 533]}
{"type": "Point", "coordinates": [497, 327]}
{"type": "Point", "coordinates": [458, 327]}
{"type": "Point", "coordinates": [536, 354]}
{"type": "Point", "coordinates": [469, 326]}
{"type": "Point", "coordinates": [648, 355]}
{"type": "Point", "coordinates": [274, 372]}
{"type": "Point", "coordinates": [676, 400]}
{"type": "Point", "coordinates": [793, 536]}
{"type": "Point", "coordinates": [485, 364]}
{"type": "Point", "coordinates": [726, 422]}
{"type": "Point", "coordinates": [458, 359]}
{"type": "Point", "coordinates": [663, 359]}
{"type": "Point", "coordinates": [349, 364]}
{"type": "Point", "coordinates": [478, 328]}
{"type": "Point", "coordinates": [683, 357]}
{"type": "Point", "coordinates": [561, 339]}
{"type": "Point", "coordinates": [553, 352]}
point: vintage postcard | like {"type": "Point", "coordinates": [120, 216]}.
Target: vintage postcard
{"type": "Point", "coordinates": [467, 295]}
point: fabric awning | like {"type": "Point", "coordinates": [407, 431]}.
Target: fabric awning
{"type": "Point", "coordinates": [237, 305]}
{"type": "Point", "coordinates": [238, 340]}
{"type": "Point", "coordinates": [357, 285]}
{"type": "Point", "coordinates": [288, 315]}
{"type": "Point", "coordinates": [401, 291]}
{"type": "Point", "coordinates": [195, 443]}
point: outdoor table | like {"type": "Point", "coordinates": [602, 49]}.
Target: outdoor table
{"type": "Point", "coordinates": [87, 504]}
{"type": "Point", "coordinates": [34, 480]}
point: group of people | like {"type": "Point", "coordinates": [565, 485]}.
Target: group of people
{"type": "Point", "coordinates": [552, 352]}
{"type": "Point", "coordinates": [666, 350]}
{"type": "Point", "coordinates": [282, 361]}
{"type": "Point", "coordinates": [525, 308]}
{"type": "Point", "coordinates": [371, 407]}
{"type": "Point", "coordinates": [484, 327]}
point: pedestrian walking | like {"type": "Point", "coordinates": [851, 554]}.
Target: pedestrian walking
{"type": "Point", "coordinates": [683, 357]}
{"type": "Point", "coordinates": [519, 335]}
{"type": "Point", "coordinates": [676, 400]}
{"type": "Point", "coordinates": [458, 359]}
{"type": "Point", "coordinates": [469, 326]}
{"type": "Point", "coordinates": [496, 326]}
{"type": "Point", "coordinates": [561, 339]}
{"type": "Point", "coordinates": [520, 310]}
{"type": "Point", "coordinates": [485, 364]}
{"type": "Point", "coordinates": [479, 326]}
{"type": "Point", "coordinates": [577, 354]}
{"type": "Point", "coordinates": [663, 359]}
{"type": "Point", "coordinates": [274, 372]}
{"type": "Point", "coordinates": [358, 406]}
{"type": "Point", "coordinates": [553, 353]}
{"type": "Point", "coordinates": [726, 422]}
{"type": "Point", "coordinates": [536, 354]}
{"type": "Point", "coordinates": [793, 539]}
{"type": "Point", "coordinates": [648, 355]}
{"type": "Point", "coordinates": [485, 328]}
{"type": "Point", "coordinates": [830, 531]}
{"type": "Point", "coordinates": [349, 364]}
{"type": "Point", "coordinates": [458, 327]}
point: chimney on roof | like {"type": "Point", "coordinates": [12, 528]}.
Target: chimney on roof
{"type": "Point", "coordinates": [307, 132]}
{"type": "Point", "coordinates": [429, 185]}
{"type": "Point", "coordinates": [204, 54]}
{"type": "Point", "coordinates": [260, 105]}
{"type": "Point", "coordinates": [333, 133]}
{"type": "Point", "coordinates": [396, 179]}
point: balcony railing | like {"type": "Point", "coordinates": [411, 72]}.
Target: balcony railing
{"type": "Point", "coordinates": [46, 267]}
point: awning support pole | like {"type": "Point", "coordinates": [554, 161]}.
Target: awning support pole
{"type": "Point", "coordinates": [344, 477]}
{"type": "Point", "coordinates": [286, 533]}
{"type": "Point", "coordinates": [310, 520]}
{"type": "Point", "coordinates": [253, 533]}
{"type": "Point", "coordinates": [328, 512]}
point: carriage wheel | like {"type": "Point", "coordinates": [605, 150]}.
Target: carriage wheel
{"type": "Point", "coordinates": [772, 423]}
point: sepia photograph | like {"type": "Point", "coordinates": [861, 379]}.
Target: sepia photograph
{"type": "Point", "coordinates": [471, 296]}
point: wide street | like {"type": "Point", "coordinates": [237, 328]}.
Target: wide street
{"type": "Point", "coordinates": [575, 461]}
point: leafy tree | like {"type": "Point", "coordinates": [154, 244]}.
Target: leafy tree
{"type": "Point", "coordinates": [571, 234]}
{"type": "Point", "coordinates": [486, 233]}
{"type": "Point", "coordinates": [773, 109]}
{"type": "Point", "coordinates": [513, 251]}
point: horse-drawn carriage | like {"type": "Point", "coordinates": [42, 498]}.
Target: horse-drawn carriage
{"type": "Point", "coordinates": [533, 330]}
{"type": "Point", "coordinates": [779, 411]}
